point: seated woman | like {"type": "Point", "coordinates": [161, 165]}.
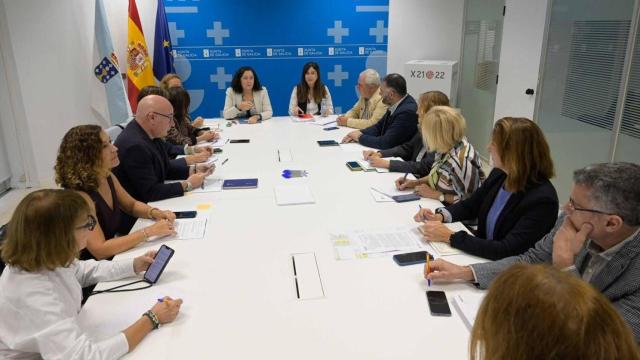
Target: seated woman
{"type": "Point", "coordinates": [517, 204]}
{"type": "Point", "coordinates": [417, 160]}
{"type": "Point", "coordinates": [310, 96]}
{"type": "Point", "coordinates": [538, 312]}
{"type": "Point", "coordinates": [246, 98]}
{"type": "Point", "coordinates": [183, 133]}
{"type": "Point", "coordinates": [456, 171]}
{"type": "Point", "coordinates": [40, 288]}
{"type": "Point", "coordinates": [173, 80]}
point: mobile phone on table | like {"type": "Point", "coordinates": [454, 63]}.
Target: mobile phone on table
{"type": "Point", "coordinates": [438, 304]}
{"type": "Point", "coordinates": [239, 141]}
{"type": "Point", "coordinates": [412, 258]}
{"type": "Point", "coordinates": [330, 128]}
{"type": "Point", "coordinates": [217, 150]}
{"type": "Point", "coordinates": [354, 166]}
{"type": "Point", "coordinates": [328, 143]}
{"type": "Point", "coordinates": [204, 128]}
{"type": "Point", "coordinates": [160, 262]}
{"type": "Point", "coordinates": [185, 214]}
{"type": "Point", "coordinates": [405, 197]}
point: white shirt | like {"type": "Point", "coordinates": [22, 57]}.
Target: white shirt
{"type": "Point", "coordinates": [312, 106]}
{"type": "Point", "coordinates": [39, 312]}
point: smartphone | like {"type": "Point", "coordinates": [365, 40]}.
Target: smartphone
{"type": "Point", "coordinates": [328, 143]}
{"type": "Point", "coordinates": [331, 128]}
{"type": "Point", "coordinates": [217, 150]}
{"type": "Point", "coordinates": [239, 141]}
{"type": "Point", "coordinates": [438, 303]}
{"type": "Point", "coordinates": [405, 198]}
{"type": "Point", "coordinates": [205, 128]}
{"type": "Point", "coordinates": [412, 258]}
{"type": "Point", "coordinates": [354, 166]}
{"type": "Point", "coordinates": [185, 214]}
{"type": "Point", "coordinates": [156, 268]}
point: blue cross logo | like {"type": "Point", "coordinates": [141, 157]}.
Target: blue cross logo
{"type": "Point", "coordinates": [221, 78]}
{"type": "Point", "coordinates": [379, 31]}
{"type": "Point", "coordinates": [217, 33]}
{"type": "Point", "coordinates": [337, 32]}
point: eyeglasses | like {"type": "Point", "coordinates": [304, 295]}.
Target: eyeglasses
{"type": "Point", "coordinates": [168, 116]}
{"type": "Point", "coordinates": [572, 207]}
{"type": "Point", "coordinates": [90, 225]}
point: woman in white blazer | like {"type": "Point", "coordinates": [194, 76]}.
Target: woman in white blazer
{"type": "Point", "coordinates": [246, 98]}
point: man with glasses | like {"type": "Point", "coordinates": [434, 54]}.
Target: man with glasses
{"type": "Point", "coordinates": [369, 109]}
{"type": "Point", "coordinates": [597, 238]}
{"type": "Point", "coordinates": [399, 123]}
{"type": "Point", "coordinates": [144, 162]}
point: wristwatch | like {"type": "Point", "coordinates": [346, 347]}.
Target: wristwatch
{"type": "Point", "coordinates": [189, 186]}
{"type": "Point", "coordinates": [441, 197]}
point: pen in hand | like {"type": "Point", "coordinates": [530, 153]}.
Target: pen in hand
{"type": "Point", "coordinates": [428, 270]}
{"type": "Point", "coordinates": [225, 161]}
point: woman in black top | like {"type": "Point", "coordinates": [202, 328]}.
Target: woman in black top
{"type": "Point", "coordinates": [515, 206]}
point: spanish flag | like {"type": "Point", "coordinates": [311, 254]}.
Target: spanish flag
{"type": "Point", "coordinates": [139, 70]}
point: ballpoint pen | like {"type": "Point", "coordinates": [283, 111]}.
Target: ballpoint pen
{"type": "Point", "coordinates": [428, 270]}
{"type": "Point", "coordinates": [225, 161]}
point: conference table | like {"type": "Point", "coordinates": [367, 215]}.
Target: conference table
{"type": "Point", "coordinates": [238, 282]}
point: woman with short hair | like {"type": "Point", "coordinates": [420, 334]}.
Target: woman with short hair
{"type": "Point", "coordinates": [517, 204]}
{"type": "Point", "coordinates": [247, 98]}
{"type": "Point", "coordinates": [456, 171]}
{"type": "Point", "coordinates": [534, 312]}
{"type": "Point", "coordinates": [40, 289]}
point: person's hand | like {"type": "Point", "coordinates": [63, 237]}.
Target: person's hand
{"type": "Point", "coordinates": [141, 263]}
{"type": "Point", "coordinates": [206, 135]}
{"type": "Point", "coordinates": [197, 158]}
{"type": "Point", "coordinates": [568, 241]}
{"type": "Point", "coordinates": [198, 122]}
{"type": "Point", "coordinates": [370, 154]}
{"type": "Point", "coordinates": [427, 215]}
{"type": "Point", "coordinates": [161, 228]}
{"type": "Point", "coordinates": [342, 120]}
{"type": "Point", "coordinates": [379, 163]}
{"type": "Point", "coordinates": [216, 136]}
{"type": "Point", "coordinates": [166, 214]}
{"type": "Point", "coordinates": [436, 231]}
{"type": "Point", "coordinates": [446, 271]}
{"type": "Point", "coordinates": [197, 179]}
{"type": "Point", "coordinates": [426, 191]}
{"type": "Point", "coordinates": [167, 310]}
{"type": "Point", "coordinates": [253, 119]}
{"type": "Point", "coordinates": [352, 137]}
{"type": "Point", "coordinates": [203, 149]}
{"type": "Point", "coordinates": [245, 105]}
{"type": "Point", "coordinates": [297, 111]}
{"type": "Point", "coordinates": [404, 184]}
{"type": "Point", "coordinates": [206, 169]}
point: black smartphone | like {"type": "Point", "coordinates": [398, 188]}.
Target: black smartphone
{"type": "Point", "coordinates": [412, 258]}
{"type": "Point", "coordinates": [328, 143]}
{"type": "Point", "coordinates": [239, 141]}
{"type": "Point", "coordinates": [156, 268]}
{"type": "Point", "coordinates": [185, 214]}
{"type": "Point", "coordinates": [331, 128]}
{"type": "Point", "coordinates": [205, 128]}
{"type": "Point", "coordinates": [438, 303]}
{"type": "Point", "coordinates": [217, 150]}
{"type": "Point", "coordinates": [405, 197]}
{"type": "Point", "coordinates": [354, 166]}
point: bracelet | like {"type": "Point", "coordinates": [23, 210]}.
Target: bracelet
{"type": "Point", "coordinates": [155, 323]}
{"type": "Point", "coordinates": [146, 235]}
{"type": "Point", "coordinates": [150, 213]}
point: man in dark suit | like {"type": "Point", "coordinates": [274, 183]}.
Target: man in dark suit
{"type": "Point", "coordinates": [399, 123]}
{"type": "Point", "coordinates": [144, 161]}
{"type": "Point", "coordinates": [597, 239]}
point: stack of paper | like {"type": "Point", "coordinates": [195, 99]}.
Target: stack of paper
{"type": "Point", "coordinates": [444, 249]}
{"type": "Point", "coordinates": [293, 194]}
{"type": "Point", "coordinates": [367, 243]}
{"type": "Point", "coordinates": [185, 228]}
{"type": "Point", "coordinates": [467, 306]}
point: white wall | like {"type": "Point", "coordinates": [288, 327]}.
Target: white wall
{"type": "Point", "coordinates": [425, 30]}
{"type": "Point", "coordinates": [520, 56]}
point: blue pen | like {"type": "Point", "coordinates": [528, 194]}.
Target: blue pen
{"type": "Point", "coordinates": [160, 300]}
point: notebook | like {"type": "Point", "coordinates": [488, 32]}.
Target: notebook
{"type": "Point", "coordinates": [293, 194]}
{"type": "Point", "coordinates": [240, 184]}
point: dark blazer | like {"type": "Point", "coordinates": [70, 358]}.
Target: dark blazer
{"type": "Point", "coordinates": [393, 130]}
{"type": "Point", "coordinates": [409, 153]}
{"type": "Point", "coordinates": [145, 165]}
{"type": "Point", "coordinates": [618, 280]}
{"type": "Point", "coordinates": [526, 217]}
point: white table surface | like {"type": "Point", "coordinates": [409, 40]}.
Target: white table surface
{"type": "Point", "coordinates": [237, 283]}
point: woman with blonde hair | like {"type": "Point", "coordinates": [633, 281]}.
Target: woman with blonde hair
{"type": "Point", "coordinates": [538, 312]}
{"type": "Point", "coordinates": [517, 204]}
{"type": "Point", "coordinates": [40, 289]}
{"type": "Point", "coordinates": [417, 160]}
{"type": "Point", "coordinates": [456, 171]}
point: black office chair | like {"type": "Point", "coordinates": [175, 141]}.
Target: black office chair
{"type": "Point", "coordinates": [3, 232]}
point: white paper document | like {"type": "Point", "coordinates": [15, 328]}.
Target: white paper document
{"type": "Point", "coordinates": [367, 243]}
{"type": "Point", "coordinates": [185, 228]}
{"type": "Point", "coordinates": [364, 164]}
{"type": "Point", "coordinates": [385, 192]}
{"type": "Point", "coordinates": [294, 194]}
{"type": "Point", "coordinates": [444, 249]}
{"type": "Point", "coordinates": [222, 141]}
{"type": "Point", "coordinates": [209, 185]}
{"type": "Point", "coordinates": [324, 120]}
{"type": "Point", "coordinates": [467, 306]}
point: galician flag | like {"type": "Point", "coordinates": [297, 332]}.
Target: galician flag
{"type": "Point", "coordinates": [108, 96]}
{"type": "Point", "coordinates": [139, 70]}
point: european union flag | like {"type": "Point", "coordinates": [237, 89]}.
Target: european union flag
{"type": "Point", "coordinates": [162, 55]}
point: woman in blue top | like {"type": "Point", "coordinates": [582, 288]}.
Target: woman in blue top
{"type": "Point", "coordinates": [515, 206]}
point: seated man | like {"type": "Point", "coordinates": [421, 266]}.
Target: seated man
{"type": "Point", "coordinates": [597, 238]}
{"type": "Point", "coordinates": [398, 125]}
{"type": "Point", "coordinates": [369, 109]}
{"type": "Point", "coordinates": [144, 162]}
